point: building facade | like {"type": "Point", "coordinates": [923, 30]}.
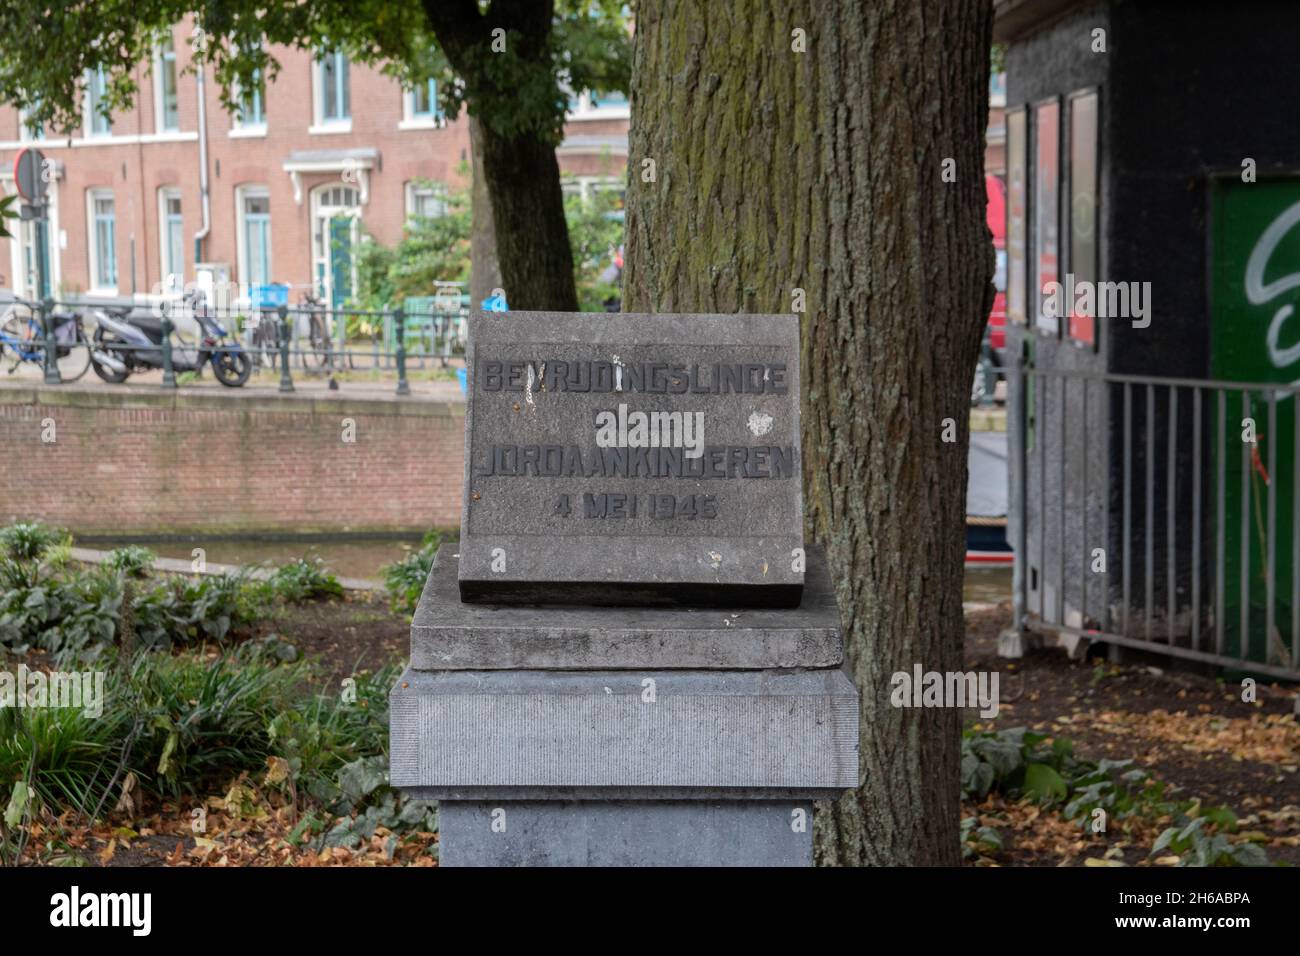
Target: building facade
{"type": "Point", "coordinates": [308, 165]}
{"type": "Point", "coordinates": [1152, 213]}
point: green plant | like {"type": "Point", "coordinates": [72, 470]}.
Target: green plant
{"type": "Point", "coordinates": [28, 550]}
{"type": "Point", "coordinates": [432, 249]}
{"type": "Point", "coordinates": [595, 234]}
{"type": "Point", "coordinates": [62, 613]}
{"type": "Point", "coordinates": [182, 610]}
{"type": "Point", "coordinates": [304, 579]}
{"type": "Point", "coordinates": [6, 213]}
{"type": "Point", "coordinates": [977, 840]}
{"type": "Point", "coordinates": [1021, 764]}
{"type": "Point", "coordinates": [1190, 840]}
{"type": "Point", "coordinates": [132, 560]}
{"type": "Point", "coordinates": [203, 721]}
{"type": "Point", "coordinates": [404, 579]}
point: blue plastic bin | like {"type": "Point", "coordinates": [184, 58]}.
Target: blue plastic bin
{"type": "Point", "coordinates": [269, 296]}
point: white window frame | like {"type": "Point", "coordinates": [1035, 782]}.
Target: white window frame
{"type": "Point", "coordinates": [415, 188]}
{"type": "Point", "coordinates": [412, 120]}
{"type": "Point", "coordinates": [159, 110]}
{"type": "Point", "coordinates": [92, 242]}
{"type": "Point", "coordinates": [90, 114]}
{"type": "Point", "coordinates": [165, 194]}
{"type": "Point", "coordinates": [585, 186]}
{"type": "Point", "coordinates": [238, 127]}
{"type": "Point", "coordinates": [586, 111]}
{"type": "Point", "coordinates": [252, 190]}
{"type": "Point", "coordinates": [321, 124]}
{"type": "Point", "coordinates": [24, 134]}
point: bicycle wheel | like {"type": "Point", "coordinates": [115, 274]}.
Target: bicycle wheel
{"type": "Point", "coordinates": [319, 337]}
{"type": "Point", "coordinates": [73, 359]}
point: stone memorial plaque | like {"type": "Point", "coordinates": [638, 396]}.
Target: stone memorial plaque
{"type": "Point", "coordinates": [632, 459]}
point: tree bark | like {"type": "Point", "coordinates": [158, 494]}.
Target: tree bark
{"type": "Point", "coordinates": [776, 172]}
{"type": "Point", "coordinates": [533, 252]}
{"type": "Point", "coordinates": [484, 271]}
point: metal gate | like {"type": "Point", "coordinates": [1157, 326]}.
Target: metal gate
{"type": "Point", "coordinates": [1159, 513]}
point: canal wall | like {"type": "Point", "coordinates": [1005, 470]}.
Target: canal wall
{"type": "Point", "coordinates": [133, 461]}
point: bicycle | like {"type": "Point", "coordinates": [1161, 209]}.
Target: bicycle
{"type": "Point", "coordinates": [318, 332]}
{"type": "Point", "coordinates": [264, 339]}
{"type": "Point", "coordinates": [22, 334]}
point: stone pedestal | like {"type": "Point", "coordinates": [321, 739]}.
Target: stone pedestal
{"type": "Point", "coordinates": [624, 736]}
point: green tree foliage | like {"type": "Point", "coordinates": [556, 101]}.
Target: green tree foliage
{"type": "Point", "coordinates": [596, 234]}
{"type": "Point", "coordinates": [437, 249]}
{"type": "Point", "coordinates": [49, 47]}
{"type": "Point", "coordinates": [432, 249]}
{"type": "Point", "coordinates": [508, 62]}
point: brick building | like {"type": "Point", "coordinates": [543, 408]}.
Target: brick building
{"type": "Point", "coordinates": [326, 153]}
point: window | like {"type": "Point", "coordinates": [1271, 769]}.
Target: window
{"type": "Point", "coordinates": [333, 90]}
{"type": "Point", "coordinates": [607, 101]}
{"type": "Point", "coordinates": [1082, 260]}
{"type": "Point", "coordinates": [30, 130]}
{"type": "Point", "coordinates": [425, 200]}
{"type": "Point", "coordinates": [165, 96]}
{"type": "Point", "coordinates": [586, 187]}
{"type": "Point", "coordinates": [420, 106]}
{"type": "Point", "coordinates": [171, 233]}
{"type": "Point", "coordinates": [598, 104]}
{"type": "Point", "coordinates": [1046, 211]}
{"type": "Point", "coordinates": [103, 240]}
{"type": "Point", "coordinates": [97, 120]}
{"type": "Point", "coordinates": [251, 114]}
{"type": "Point", "coordinates": [254, 239]}
{"type": "Point", "coordinates": [1017, 222]}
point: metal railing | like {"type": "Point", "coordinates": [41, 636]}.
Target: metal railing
{"type": "Point", "coordinates": [1159, 513]}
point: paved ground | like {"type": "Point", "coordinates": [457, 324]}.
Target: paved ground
{"type": "Point", "coordinates": [986, 483]}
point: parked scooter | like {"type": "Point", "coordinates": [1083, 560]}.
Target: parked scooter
{"type": "Point", "coordinates": [129, 340]}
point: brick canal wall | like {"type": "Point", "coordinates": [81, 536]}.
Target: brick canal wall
{"type": "Point", "coordinates": [130, 462]}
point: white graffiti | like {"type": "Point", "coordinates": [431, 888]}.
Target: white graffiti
{"type": "Point", "coordinates": [1259, 293]}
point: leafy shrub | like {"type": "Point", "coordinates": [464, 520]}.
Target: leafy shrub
{"type": "Point", "coordinates": [28, 551]}
{"type": "Point", "coordinates": [61, 614]}
{"type": "Point", "coordinates": [1196, 847]}
{"type": "Point", "coordinates": [204, 721]}
{"type": "Point", "coordinates": [132, 560]}
{"type": "Point", "coordinates": [404, 579]}
{"type": "Point", "coordinates": [1019, 764]}
{"type": "Point", "coordinates": [303, 580]}
{"type": "Point", "coordinates": [977, 840]}
{"type": "Point", "coordinates": [183, 610]}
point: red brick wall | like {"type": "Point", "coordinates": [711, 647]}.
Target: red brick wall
{"type": "Point", "coordinates": [185, 463]}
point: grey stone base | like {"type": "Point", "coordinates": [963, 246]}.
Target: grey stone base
{"type": "Point", "coordinates": [622, 833]}
{"type": "Point", "coordinates": [448, 634]}
{"type": "Point", "coordinates": [712, 730]}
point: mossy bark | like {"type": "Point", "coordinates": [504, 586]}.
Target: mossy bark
{"type": "Point", "coordinates": [779, 174]}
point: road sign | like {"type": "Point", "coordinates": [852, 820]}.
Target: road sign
{"type": "Point", "coordinates": [29, 176]}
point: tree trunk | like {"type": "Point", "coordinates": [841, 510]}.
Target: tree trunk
{"type": "Point", "coordinates": [523, 178]}
{"type": "Point", "coordinates": [781, 175]}
{"type": "Point", "coordinates": [519, 164]}
{"type": "Point", "coordinates": [484, 269]}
